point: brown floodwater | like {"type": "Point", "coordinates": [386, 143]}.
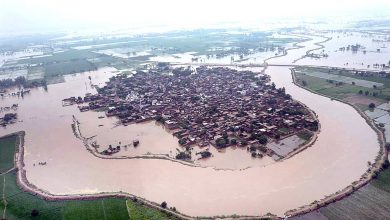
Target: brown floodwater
{"type": "Point", "coordinates": [338, 157]}
{"type": "Point", "coordinates": [156, 140]}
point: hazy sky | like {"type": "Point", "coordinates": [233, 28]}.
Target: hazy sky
{"type": "Point", "coordinates": [39, 15]}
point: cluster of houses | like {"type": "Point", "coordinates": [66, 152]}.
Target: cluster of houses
{"type": "Point", "coordinates": [206, 106]}
{"type": "Point", "coordinates": [8, 118]}
{"type": "Point", "coordinates": [13, 107]}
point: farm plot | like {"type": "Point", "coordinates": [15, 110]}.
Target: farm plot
{"type": "Point", "coordinates": [343, 79]}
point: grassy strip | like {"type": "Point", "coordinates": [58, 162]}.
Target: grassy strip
{"type": "Point", "coordinates": [141, 212]}
{"type": "Point", "coordinates": [383, 181]}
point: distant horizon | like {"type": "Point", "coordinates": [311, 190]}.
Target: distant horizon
{"type": "Point", "coordinates": [42, 16]}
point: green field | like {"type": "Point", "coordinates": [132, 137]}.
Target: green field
{"type": "Point", "coordinates": [368, 202]}
{"type": "Point", "coordinates": [7, 152]}
{"type": "Point", "coordinates": [17, 204]}
{"type": "Point", "coordinates": [340, 91]}
{"type": "Point", "coordinates": [63, 68]}
{"type": "Point", "coordinates": [138, 211]}
{"type": "Point", "coordinates": [344, 90]}
{"type": "Point", "coordinates": [383, 181]}
{"type": "Point", "coordinates": [65, 56]}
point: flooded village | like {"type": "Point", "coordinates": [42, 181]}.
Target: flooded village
{"type": "Point", "coordinates": [171, 132]}
{"type": "Point", "coordinates": [205, 106]}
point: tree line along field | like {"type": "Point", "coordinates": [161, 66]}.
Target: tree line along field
{"type": "Point", "coordinates": [17, 204]}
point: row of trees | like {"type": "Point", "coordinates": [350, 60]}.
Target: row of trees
{"type": "Point", "coordinates": [18, 81]}
{"type": "Point", "coordinates": [21, 81]}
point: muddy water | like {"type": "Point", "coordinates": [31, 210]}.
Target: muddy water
{"type": "Point", "coordinates": [349, 59]}
{"type": "Point", "coordinates": [338, 158]}
{"type": "Point", "coordinates": [156, 140]}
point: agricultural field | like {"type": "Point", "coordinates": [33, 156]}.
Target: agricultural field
{"type": "Point", "coordinates": [343, 79]}
{"type": "Point", "coordinates": [65, 56]}
{"type": "Point", "coordinates": [63, 68]}
{"type": "Point", "coordinates": [140, 212]}
{"type": "Point", "coordinates": [359, 94]}
{"type": "Point", "coordinates": [7, 152]}
{"type": "Point", "coordinates": [369, 202]}
{"type": "Point", "coordinates": [17, 204]}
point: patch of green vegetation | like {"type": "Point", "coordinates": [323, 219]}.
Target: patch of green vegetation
{"type": "Point", "coordinates": [383, 181]}
{"type": "Point", "coordinates": [7, 152]}
{"type": "Point", "coordinates": [66, 56]}
{"type": "Point", "coordinates": [105, 209]}
{"type": "Point", "coordinates": [63, 68]}
{"type": "Point", "coordinates": [368, 202]}
{"type": "Point", "coordinates": [103, 61]}
{"type": "Point", "coordinates": [342, 91]}
{"type": "Point", "coordinates": [283, 130]}
{"type": "Point", "coordinates": [385, 81]}
{"type": "Point", "coordinates": [21, 204]}
{"type": "Point", "coordinates": [141, 212]}
{"type": "Point", "coordinates": [305, 135]}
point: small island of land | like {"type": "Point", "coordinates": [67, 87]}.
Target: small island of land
{"type": "Point", "coordinates": [206, 106]}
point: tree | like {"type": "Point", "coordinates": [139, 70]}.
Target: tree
{"type": "Point", "coordinates": [225, 135]}
{"type": "Point", "coordinates": [221, 142]}
{"type": "Point", "coordinates": [366, 93]}
{"type": "Point", "coordinates": [205, 154]}
{"type": "Point", "coordinates": [304, 83]}
{"type": "Point", "coordinates": [182, 141]}
{"type": "Point", "coordinates": [360, 92]}
{"type": "Point", "coordinates": [9, 116]}
{"type": "Point", "coordinates": [386, 164]}
{"type": "Point", "coordinates": [263, 139]}
{"type": "Point", "coordinates": [164, 204]}
{"type": "Point", "coordinates": [387, 145]}
{"type": "Point", "coordinates": [353, 83]}
{"type": "Point", "coordinates": [34, 213]}
{"type": "Point", "coordinates": [371, 105]}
